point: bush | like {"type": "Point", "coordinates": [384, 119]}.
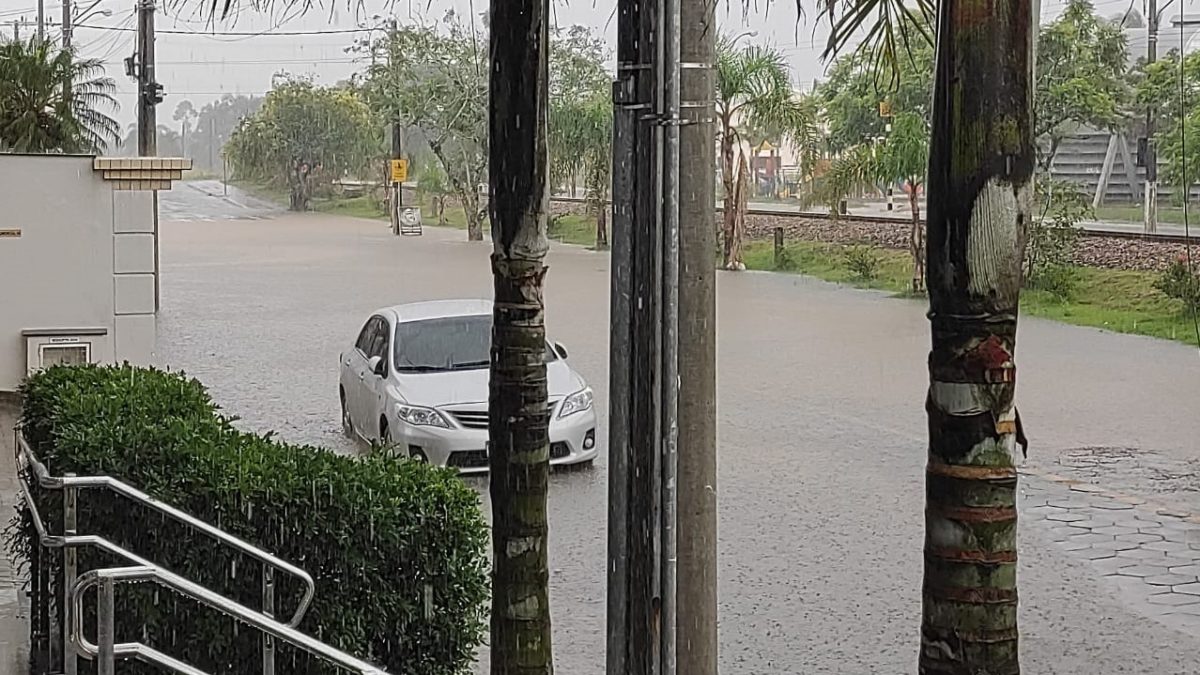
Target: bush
{"type": "Point", "coordinates": [377, 534]}
{"type": "Point", "coordinates": [863, 262]}
{"type": "Point", "coordinates": [1057, 280]}
{"type": "Point", "coordinates": [786, 261]}
{"type": "Point", "coordinates": [1181, 282]}
{"type": "Point", "coordinates": [1052, 235]}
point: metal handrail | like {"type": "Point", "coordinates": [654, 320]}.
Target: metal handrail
{"type": "Point", "coordinates": [108, 650]}
{"type": "Point", "coordinates": [45, 480]}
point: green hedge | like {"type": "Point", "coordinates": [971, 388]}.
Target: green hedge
{"type": "Point", "coordinates": [381, 537]}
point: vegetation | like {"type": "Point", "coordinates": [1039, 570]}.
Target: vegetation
{"type": "Point", "coordinates": [581, 118]}
{"type": "Point", "coordinates": [38, 114]}
{"type": "Point", "coordinates": [304, 135]}
{"type": "Point", "coordinates": [1182, 282]}
{"type": "Point", "coordinates": [1122, 301]}
{"type": "Point", "coordinates": [397, 549]}
{"type": "Point", "coordinates": [1081, 77]}
{"type": "Point", "coordinates": [433, 78]}
{"type": "Point", "coordinates": [753, 90]}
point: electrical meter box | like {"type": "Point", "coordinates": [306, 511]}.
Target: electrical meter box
{"type": "Point", "coordinates": [64, 347]}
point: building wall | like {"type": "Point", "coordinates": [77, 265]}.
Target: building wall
{"type": "Point", "coordinates": [84, 261]}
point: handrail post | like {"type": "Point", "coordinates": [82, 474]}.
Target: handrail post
{"type": "Point", "coordinates": [106, 630]}
{"type": "Point", "coordinates": [70, 572]}
{"type": "Point", "coordinates": [268, 644]}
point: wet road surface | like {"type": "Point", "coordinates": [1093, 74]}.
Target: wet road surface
{"type": "Point", "coordinates": [822, 437]}
{"type": "Point", "coordinates": [207, 200]}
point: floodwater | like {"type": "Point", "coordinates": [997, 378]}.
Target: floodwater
{"type": "Point", "coordinates": [822, 428]}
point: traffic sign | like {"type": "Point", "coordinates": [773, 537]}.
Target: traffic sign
{"type": "Point", "coordinates": [399, 170]}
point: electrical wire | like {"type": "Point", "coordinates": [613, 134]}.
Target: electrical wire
{"type": "Point", "coordinates": [264, 33]}
{"type": "Point", "coordinates": [1187, 189]}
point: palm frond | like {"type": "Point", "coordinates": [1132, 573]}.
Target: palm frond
{"type": "Point", "coordinates": [890, 30]}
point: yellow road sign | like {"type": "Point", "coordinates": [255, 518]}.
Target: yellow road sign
{"type": "Point", "coordinates": [885, 108]}
{"type": "Point", "coordinates": [399, 170]}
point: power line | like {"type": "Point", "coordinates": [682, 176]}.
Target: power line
{"type": "Point", "coordinates": [267, 33]}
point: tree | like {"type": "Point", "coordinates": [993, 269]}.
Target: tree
{"type": "Point", "coordinates": [434, 78]}
{"type": "Point", "coordinates": [851, 95]}
{"type": "Point", "coordinates": [35, 116]}
{"type": "Point", "coordinates": [1159, 88]}
{"type": "Point", "coordinates": [904, 155]}
{"type": "Point", "coordinates": [752, 89]}
{"type": "Point", "coordinates": [981, 168]}
{"type": "Point", "coordinates": [1081, 66]}
{"type": "Point", "coordinates": [577, 76]}
{"type": "Point", "coordinates": [518, 416]}
{"type": "Point", "coordinates": [581, 116]}
{"type": "Point", "coordinates": [304, 131]}
{"type": "Point", "coordinates": [185, 113]}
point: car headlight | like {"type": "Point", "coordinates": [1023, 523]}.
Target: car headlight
{"type": "Point", "coordinates": [577, 402]}
{"type": "Point", "coordinates": [421, 417]}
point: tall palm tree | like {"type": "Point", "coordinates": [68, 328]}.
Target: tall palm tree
{"type": "Point", "coordinates": [981, 167]}
{"type": "Point", "coordinates": [753, 90]}
{"type": "Point", "coordinates": [35, 113]}
{"type": "Point", "coordinates": [518, 416]}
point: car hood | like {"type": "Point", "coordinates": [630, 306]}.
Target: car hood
{"type": "Point", "coordinates": [471, 386]}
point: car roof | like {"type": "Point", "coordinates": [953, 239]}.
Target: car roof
{"type": "Point", "coordinates": [437, 309]}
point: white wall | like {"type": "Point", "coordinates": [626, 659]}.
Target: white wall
{"type": "Point", "coordinates": [84, 260]}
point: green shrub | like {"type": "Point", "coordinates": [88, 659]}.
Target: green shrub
{"type": "Point", "coordinates": [1181, 282]}
{"type": "Point", "coordinates": [863, 262]}
{"type": "Point", "coordinates": [381, 537]}
{"type": "Point", "coordinates": [1058, 280]}
{"type": "Point", "coordinates": [786, 261]}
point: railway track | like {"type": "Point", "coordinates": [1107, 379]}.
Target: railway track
{"type": "Point", "coordinates": [1088, 231]}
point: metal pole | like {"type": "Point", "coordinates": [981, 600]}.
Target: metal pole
{"type": "Point", "coordinates": [635, 525]}
{"type": "Point", "coordinates": [669, 27]}
{"type": "Point", "coordinates": [397, 187]}
{"type": "Point", "coordinates": [106, 627]}
{"type": "Point", "coordinates": [1150, 194]}
{"type": "Point", "coordinates": [696, 629]}
{"type": "Point", "coordinates": [41, 20]}
{"type": "Point", "coordinates": [619, 447]}
{"type": "Point", "coordinates": [268, 645]}
{"type": "Point", "coordinates": [67, 20]}
{"type": "Point", "coordinates": [70, 573]}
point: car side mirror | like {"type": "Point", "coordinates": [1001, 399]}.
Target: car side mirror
{"type": "Point", "coordinates": [560, 349]}
{"type": "Point", "coordinates": [376, 365]}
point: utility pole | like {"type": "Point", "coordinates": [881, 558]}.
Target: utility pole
{"type": "Point", "coordinates": [1151, 191]}
{"type": "Point", "coordinates": [697, 522]}
{"type": "Point", "coordinates": [149, 91]}
{"type": "Point", "coordinates": [397, 141]}
{"type": "Point", "coordinates": [644, 366]}
{"type": "Point", "coordinates": [67, 22]}
{"type": "Point", "coordinates": [41, 20]}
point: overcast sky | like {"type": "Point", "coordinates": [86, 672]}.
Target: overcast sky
{"type": "Point", "coordinates": [200, 67]}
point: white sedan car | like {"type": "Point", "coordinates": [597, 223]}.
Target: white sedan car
{"type": "Point", "coordinates": [417, 380]}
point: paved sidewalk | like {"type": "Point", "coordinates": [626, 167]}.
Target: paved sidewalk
{"type": "Point", "coordinates": [14, 630]}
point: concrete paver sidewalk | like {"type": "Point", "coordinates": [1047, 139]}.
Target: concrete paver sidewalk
{"type": "Point", "coordinates": [14, 614]}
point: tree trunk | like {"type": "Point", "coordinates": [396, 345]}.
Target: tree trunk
{"type": "Point", "coordinates": [602, 226]}
{"type": "Point", "coordinates": [982, 160]}
{"type": "Point", "coordinates": [733, 245]}
{"type": "Point", "coordinates": [518, 416]}
{"type": "Point", "coordinates": [916, 240]}
{"type": "Point", "coordinates": [729, 214]}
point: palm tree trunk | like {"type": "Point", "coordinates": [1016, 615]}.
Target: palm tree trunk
{"type": "Point", "coordinates": [916, 240]}
{"type": "Point", "coordinates": [729, 213]}
{"type": "Point", "coordinates": [733, 246]}
{"type": "Point", "coordinates": [518, 416]}
{"type": "Point", "coordinates": [980, 197]}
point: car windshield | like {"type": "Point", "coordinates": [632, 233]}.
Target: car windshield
{"type": "Point", "coordinates": [447, 343]}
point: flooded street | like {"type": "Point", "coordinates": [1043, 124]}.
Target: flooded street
{"type": "Point", "coordinates": [822, 443]}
